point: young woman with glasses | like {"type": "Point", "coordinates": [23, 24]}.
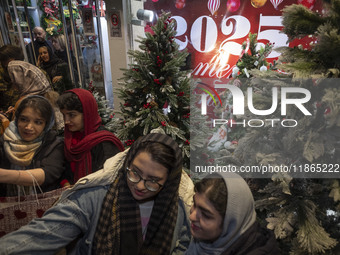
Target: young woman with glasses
{"type": "Point", "coordinates": [132, 206]}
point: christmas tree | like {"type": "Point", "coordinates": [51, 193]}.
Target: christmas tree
{"type": "Point", "coordinates": [302, 211]}
{"type": "Point", "coordinates": [224, 138]}
{"type": "Point", "coordinates": [253, 57]}
{"type": "Point", "coordinates": [155, 90]}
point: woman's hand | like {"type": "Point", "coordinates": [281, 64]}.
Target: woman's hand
{"type": "Point", "coordinates": [56, 79]}
{"type": "Point", "coordinates": [22, 177]}
{"type": "Point", "coordinates": [10, 109]}
{"type": "Point", "coordinates": [3, 118]}
{"type": "Point", "coordinates": [39, 61]}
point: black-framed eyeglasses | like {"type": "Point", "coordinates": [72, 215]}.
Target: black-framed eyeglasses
{"type": "Point", "coordinates": [135, 177]}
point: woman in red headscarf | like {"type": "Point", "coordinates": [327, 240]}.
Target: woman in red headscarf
{"type": "Point", "coordinates": [87, 143]}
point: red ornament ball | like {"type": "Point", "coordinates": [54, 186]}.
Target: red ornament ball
{"type": "Point", "coordinates": [233, 5]}
{"type": "Point", "coordinates": [307, 3]}
{"type": "Point", "coordinates": [180, 5]}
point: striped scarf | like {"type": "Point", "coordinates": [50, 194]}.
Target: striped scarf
{"type": "Point", "coordinates": [119, 229]}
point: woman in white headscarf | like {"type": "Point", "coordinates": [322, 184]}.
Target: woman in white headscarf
{"type": "Point", "coordinates": [223, 219]}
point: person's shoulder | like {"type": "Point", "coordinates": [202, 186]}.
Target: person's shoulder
{"type": "Point", "coordinates": [264, 243]}
{"type": "Point", "coordinates": [85, 195]}
{"type": "Point", "coordinates": [95, 191]}
{"type": "Point", "coordinates": [52, 140]}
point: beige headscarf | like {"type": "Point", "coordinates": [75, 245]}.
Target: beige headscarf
{"type": "Point", "coordinates": [18, 152]}
{"type": "Point", "coordinates": [28, 79]}
{"type": "Point", "coordinates": [240, 216]}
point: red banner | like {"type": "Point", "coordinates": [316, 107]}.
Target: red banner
{"type": "Point", "coordinates": [213, 30]}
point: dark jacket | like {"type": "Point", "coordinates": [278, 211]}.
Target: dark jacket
{"type": "Point", "coordinates": [57, 67]}
{"type": "Point", "coordinates": [49, 157]}
{"type": "Point", "coordinates": [255, 241]}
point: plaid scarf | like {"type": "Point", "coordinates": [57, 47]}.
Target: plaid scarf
{"type": "Point", "coordinates": [119, 229]}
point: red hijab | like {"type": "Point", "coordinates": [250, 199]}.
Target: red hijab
{"type": "Point", "coordinates": [80, 153]}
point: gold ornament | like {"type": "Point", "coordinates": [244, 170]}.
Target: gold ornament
{"type": "Point", "coordinates": [168, 80]}
{"type": "Point", "coordinates": [258, 3]}
{"type": "Point", "coordinates": [153, 104]}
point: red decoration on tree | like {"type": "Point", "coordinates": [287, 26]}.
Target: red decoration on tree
{"type": "Point", "coordinates": [159, 61]}
{"type": "Point", "coordinates": [129, 142]}
{"type": "Point", "coordinates": [308, 3]}
{"type": "Point", "coordinates": [187, 142]}
{"type": "Point", "coordinates": [233, 5]}
{"type": "Point", "coordinates": [163, 123]}
{"type": "Point", "coordinates": [157, 82]}
{"type": "Point", "coordinates": [211, 160]}
{"type": "Point", "coordinates": [146, 106]}
{"type": "Point", "coordinates": [180, 94]}
{"type": "Point", "coordinates": [186, 116]}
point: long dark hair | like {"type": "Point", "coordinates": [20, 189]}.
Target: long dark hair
{"type": "Point", "coordinates": [215, 190]}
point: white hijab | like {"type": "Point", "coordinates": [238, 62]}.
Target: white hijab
{"type": "Point", "coordinates": [240, 216]}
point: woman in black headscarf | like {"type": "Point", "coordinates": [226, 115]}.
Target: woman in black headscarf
{"type": "Point", "coordinates": [56, 69]}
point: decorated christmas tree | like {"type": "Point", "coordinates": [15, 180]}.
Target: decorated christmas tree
{"type": "Point", "coordinates": [303, 210]}
{"type": "Point", "coordinates": [252, 57]}
{"type": "Point", "coordinates": [155, 90]}
{"type": "Point", "coordinates": [225, 138]}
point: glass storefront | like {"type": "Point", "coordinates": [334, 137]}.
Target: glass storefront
{"type": "Point", "coordinates": [79, 24]}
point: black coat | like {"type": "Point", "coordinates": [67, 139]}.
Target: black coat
{"type": "Point", "coordinates": [255, 241]}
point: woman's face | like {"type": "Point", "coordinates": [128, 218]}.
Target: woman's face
{"type": "Point", "coordinates": [43, 54]}
{"type": "Point", "coordinates": [56, 44]}
{"type": "Point", "coordinates": [148, 169]}
{"type": "Point", "coordinates": [73, 119]}
{"type": "Point", "coordinates": [206, 222]}
{"type": "Point", "coordinates": [30, 124]}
